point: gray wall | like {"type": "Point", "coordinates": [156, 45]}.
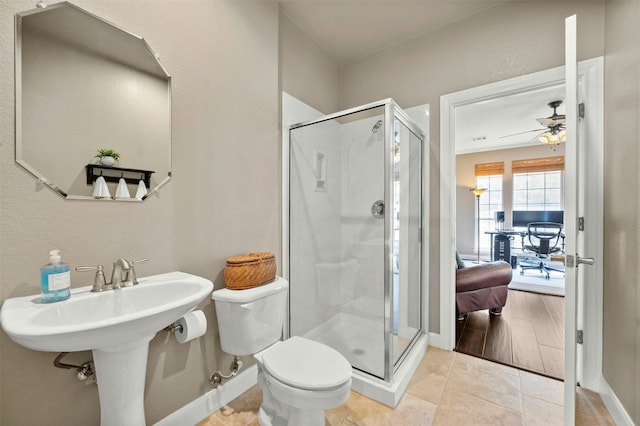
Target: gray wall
{"type": "Point", "coordinates": [621, 357]}
{"type": "Point", "coordinates": [307, 72]}
{"type": "Point", "coordinates": [506, 41]}
{"type": "Point", "coordinates": [222, 201]}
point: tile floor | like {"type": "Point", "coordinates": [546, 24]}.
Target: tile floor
{"type": "Point", "coordinates": [448, 388]}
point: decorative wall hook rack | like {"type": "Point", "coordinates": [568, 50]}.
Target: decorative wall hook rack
{"type": "Point", "coordinates": [114, 174]}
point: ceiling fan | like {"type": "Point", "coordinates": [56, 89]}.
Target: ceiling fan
{"type": "Point", "coordinates": [554, 131]}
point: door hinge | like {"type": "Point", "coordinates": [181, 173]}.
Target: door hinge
{"type": "Point", "coordinates": [581, 110]}
{"type": "Point", "coordinates": [580, 337]}
{"type": "Point", "coordinates": [581, 223]}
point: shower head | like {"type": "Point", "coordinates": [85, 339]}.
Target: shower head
{"type": "Point", "coordinates": [377, 126]}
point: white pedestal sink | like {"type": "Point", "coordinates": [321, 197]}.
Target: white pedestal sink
{"type": "Point", "coordinates": [116, 325]}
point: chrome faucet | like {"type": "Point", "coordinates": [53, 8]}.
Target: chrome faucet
{"type": "Point", "coordinates": [99, 282]}
{"type": "Point", "coordinates": [123, 275]}
{"type": "Point", "coordinates": [121, 269]}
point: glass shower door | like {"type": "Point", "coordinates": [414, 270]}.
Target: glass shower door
{"type": "Point", "coordinates": [336, 235]}
{"type": "Point", "coordinates": [407, 238]}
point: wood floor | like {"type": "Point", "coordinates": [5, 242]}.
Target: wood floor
{"type": "Point", "coordinates": [529, 334]}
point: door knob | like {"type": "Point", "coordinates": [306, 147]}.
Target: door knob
{"type": "Point", "coordinates": [585, 260]}
{"type": "Point", "coordinates": [377, 209]}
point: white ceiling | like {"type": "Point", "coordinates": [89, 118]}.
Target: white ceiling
{"type": "Point", "coordinates": [352, 29]}
{"type": "Point", "coordinates": [482, 126]}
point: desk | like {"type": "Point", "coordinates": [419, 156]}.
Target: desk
{"type": "Point", "coordinates": [511, 232]}
{"type": "Point", "coordinates": [505, 232]}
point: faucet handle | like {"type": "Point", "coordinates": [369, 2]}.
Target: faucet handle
{"type": "Point", "coordinates": [99, 282]}
{"type": "Point", "coordinates": [131, 274]}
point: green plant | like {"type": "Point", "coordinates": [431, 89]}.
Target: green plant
{"type": "Point", "coordinates": [108, 153]}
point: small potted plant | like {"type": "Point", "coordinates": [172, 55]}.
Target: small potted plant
{"type": "Point", "coordinates": [108, 157]}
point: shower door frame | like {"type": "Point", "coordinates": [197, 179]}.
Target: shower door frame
{"type": "Point", "coordinates": [398, 113]}
{"type": "Point", "coordinates": [391, 111]}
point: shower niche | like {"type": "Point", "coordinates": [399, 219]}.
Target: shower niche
{"type": "Point", "coordinates": [355, 246]}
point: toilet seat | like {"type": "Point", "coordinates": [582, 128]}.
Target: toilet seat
{"type": "Point", "coordinates": [305, 364]}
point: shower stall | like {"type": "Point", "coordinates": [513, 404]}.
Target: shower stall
{"type": "Point", "coordinates": [355, 238]}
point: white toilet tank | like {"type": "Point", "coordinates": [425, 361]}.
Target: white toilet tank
{"type": "Point", "coordinates": [252, 319]}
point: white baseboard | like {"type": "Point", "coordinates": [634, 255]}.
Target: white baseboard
{"type": "Point", "coordinates": [435, 340]}
{"type": "Point", "coordinates": [213, 400]}
{"type": "Point", "coordinates": [613, 404]}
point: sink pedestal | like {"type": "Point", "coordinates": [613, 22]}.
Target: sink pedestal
{"type": "Point", "coordinates": [121, 372]}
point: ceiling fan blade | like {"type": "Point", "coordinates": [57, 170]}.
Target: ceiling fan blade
{"type": "Point", "coordinates": [521, 133]}
{"type": "Point", "coordinates": [551, 121]}
{"type": "Point", "coordinates": [536, 138]}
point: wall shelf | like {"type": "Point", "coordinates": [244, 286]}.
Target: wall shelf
{"type": "Point", "coordinates": [113, 174]}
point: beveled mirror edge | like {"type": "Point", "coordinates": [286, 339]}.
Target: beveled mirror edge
{"type": "Point", "coordinates": [41, 179]}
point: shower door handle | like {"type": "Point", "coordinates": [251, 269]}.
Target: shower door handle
{"type": "Point", "coordinates": [377, 209]}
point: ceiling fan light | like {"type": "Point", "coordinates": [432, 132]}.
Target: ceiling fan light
{"type": "Point", "coordinates": [553, 137]}
{"type": "Point", "coordinates": [545, 138]}
{"type": "Point", "coordinates": [562, 134]}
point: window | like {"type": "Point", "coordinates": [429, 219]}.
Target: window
{"type": "Point", "coordinates": [537, 183]}
{"type": "Point", "coordinates": [537, 191]}
{"type": "Point", "coordinates": [490, 202]}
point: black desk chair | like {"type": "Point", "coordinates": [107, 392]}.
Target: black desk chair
{"type": "Point", "coordinates": [544, 238]}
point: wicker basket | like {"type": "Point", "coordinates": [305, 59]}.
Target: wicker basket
{"type": "Point", "coordinates": [250, 270]}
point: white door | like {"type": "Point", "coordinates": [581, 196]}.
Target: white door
{"type": "Point", "coordinates": [575, 199]}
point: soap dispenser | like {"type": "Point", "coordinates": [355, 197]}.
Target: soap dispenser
{"type": "Point", "coordinates": [55, 279]}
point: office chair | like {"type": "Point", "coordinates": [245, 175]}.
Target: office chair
{"type": "Point", "coordinates": [544, 238]}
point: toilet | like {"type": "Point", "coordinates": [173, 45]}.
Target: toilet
{"type": "Point", "coordinates": [299, 378]}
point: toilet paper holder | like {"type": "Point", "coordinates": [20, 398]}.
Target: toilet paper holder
{"type": "Point", "coordinates": [173, 328]}
{"type": "Point", "coordinates": [188, 327]}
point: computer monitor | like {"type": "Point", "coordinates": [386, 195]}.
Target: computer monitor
{"type": "Point", "coordinates": [521, 218]}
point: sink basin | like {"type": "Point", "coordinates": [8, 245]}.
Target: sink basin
{"type": "Point", "coordinates": [111, 318]}
{"type": "Point", "coordinates": [116, 325]}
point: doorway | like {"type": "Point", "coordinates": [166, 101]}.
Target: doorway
{"type": "Point", "coordinates": [529, 334]}
{"type": "Point", "coordinates": [590, 73]}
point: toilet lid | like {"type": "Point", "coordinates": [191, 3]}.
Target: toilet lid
{"type": "Point", "coordinates": [305, 364]}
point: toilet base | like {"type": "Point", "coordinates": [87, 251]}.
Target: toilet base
{"type": "Point", "coordinates": [274, 412]}
{"type": "Point", "coordinates": [297, 418]}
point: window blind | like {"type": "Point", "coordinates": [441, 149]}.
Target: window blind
{"type": "Point", "coordinates": [490, 169]}
{"type": "Point", "coordinates": [533, 165]}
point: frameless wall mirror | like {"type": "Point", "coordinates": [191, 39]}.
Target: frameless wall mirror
{"type": "Point", "coordinates": [83, 85]}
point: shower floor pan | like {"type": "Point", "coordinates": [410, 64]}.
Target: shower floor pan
{"type": "Point", "coordinates": [361, 341]}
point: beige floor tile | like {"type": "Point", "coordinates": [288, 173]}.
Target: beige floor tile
{"type": "Point", "coordinates": [413, 411]}
{"type": "Point", "coordinates": [485, 364]}
{"type": "Point", "coordinates": [543, 413]}
{"type": "Point", "coordinates": [460, 409]}
{"type": "Point", "coordinates": [541, 387]}
{"type": "Point", "coordinates": [431, 375]}
{"type": "Point", "coordinates": [364, 412]}
{"type": "Point", "coordinates": [590, 409]}
{"type": "Point", "coordinates": [485, 382]}
{"type": "Point", "coordinates": [448, 389]}
{"type": "Point", "coordinates": [211, 421]}
{"type": "Point", "coordinates": [427, 386]}
{"type": "Point", "coordinates": [436, 359]}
